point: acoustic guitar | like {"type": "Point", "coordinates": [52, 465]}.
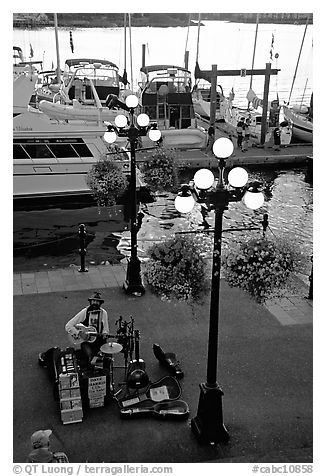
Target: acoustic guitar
{"type": "Point", "coordinates": [136, 374]}
{"type": "Point", "coordinates": [90, 334]}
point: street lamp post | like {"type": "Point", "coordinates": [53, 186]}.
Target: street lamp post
{"type": "Point", "coordinates": [208, 424]}
{"type": "Point", "coordinates": [138, 127]}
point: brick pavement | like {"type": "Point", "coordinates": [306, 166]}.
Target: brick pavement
{"type": "Point", "coordinates": [293, 309]}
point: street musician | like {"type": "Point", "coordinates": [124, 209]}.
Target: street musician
{"type": "Point", "coordinates": [93, 317]}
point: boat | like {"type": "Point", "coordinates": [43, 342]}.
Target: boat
{"type": "Point", "coordinates": [165, 96]}
{"type": "Point", "coordinates": [52, 158]}
{"type": "Point", "coordinates": [301, 117]}
{"type": "Point", "coordinates": [302, 124]}
{"type": "Point", "coordinates": [75, 82]}
{"type": "Point", "coordinates": [201, 93]}
{"type": "Point", "coordinates": [20, 66]}
{"type": "Point", "coordinates": [228, 115]}
{"type": "Point", "coordinates": [232, 115]}
{"type": "Point", "coordinates": [77, 111]}
{"type": "Point", "coordinates": [201, 98]}
{"type": "Point", "coordinates": [23, 90]}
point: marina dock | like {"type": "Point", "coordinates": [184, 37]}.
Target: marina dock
{"type": "Point", "coordinates": [292, 155]}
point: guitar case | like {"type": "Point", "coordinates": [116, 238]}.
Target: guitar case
{"type": "Point", "coordinates": [159, 399]}
{"type": "Point", "coordinates": [174, 410]}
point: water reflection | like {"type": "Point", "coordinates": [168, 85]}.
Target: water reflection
{"type": "Point", "coordinates": [289, 204]}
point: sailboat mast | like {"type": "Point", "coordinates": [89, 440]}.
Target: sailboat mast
{"type": "Point", "coordinates": [254, 52]}
{"type": "Point", "coordinates": [186, 56]}
{"type": "Point", "coordinates": [296, 68]}
{"type": "Point", "coordinates": [57, 46]}
{"type": "Point", "coordinates": [198, 34]}
{"type": "Point", "coordinates": [125, 40]}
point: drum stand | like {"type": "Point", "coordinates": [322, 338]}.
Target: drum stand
{"type": "Point", "coordinates": [125, 337]}
{"type": "Point", "coordinates": [108, 350]}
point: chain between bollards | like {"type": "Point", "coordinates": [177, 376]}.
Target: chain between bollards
{"type": "Point", "coordinates": [82, 248]}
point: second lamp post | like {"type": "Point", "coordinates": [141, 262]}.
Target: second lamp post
{"type": "Point", "coordinates": [208, 424]}
{"type": "Point", "coordinates": [136, 128]}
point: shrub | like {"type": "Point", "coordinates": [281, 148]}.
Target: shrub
{"type": "Point", "coordinates": [176, 269]}
{"type": "Point", "coordinates": [260, 266]}
{"type": "Point", "coordinates": [107, 181]}
{"type": "Point", "coordinates": [160, 171]}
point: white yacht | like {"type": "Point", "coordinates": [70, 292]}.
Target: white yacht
{"type": "Point", "coordinates": [52, 158]}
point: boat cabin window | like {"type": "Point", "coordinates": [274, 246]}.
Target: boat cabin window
{"type": "Point", "coordinates": [63, 150]}
{"type": "Point", "coordinates": [20, 152]}
{"type": "Point", "coordinates": [50, 148]}
{"type": "Point", "coordinates": [38, 151]}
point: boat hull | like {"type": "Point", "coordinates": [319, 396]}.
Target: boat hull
{"type": "Point", "coordinates": [302, 127]}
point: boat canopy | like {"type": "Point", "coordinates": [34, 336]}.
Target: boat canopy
{"type": "Point", "coordinates": [151, 69]}
{"type": "Point", "coordinates": [80, 61]}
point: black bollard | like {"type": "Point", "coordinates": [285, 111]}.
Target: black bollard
{"type": "Point", "coordinates": [82, 249]}
{"type": "Point", "coordinates": [310, 294]}
{"type": "Point", "coordinates": [265, 223]}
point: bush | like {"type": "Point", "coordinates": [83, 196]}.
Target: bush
{"type": "Point", "coordinates": [176, 269]}
{"type": "Point", "coordinates": [160, 171]}
{"type": "Point", "coordinates": [260, 266]}
{"type": "Point", "coordinates": [107, 181]}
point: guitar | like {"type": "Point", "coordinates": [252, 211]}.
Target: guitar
{"type": "Point", "coordinates": [90, 332]}
{"type": "Point", "coordinates": [136, 375]}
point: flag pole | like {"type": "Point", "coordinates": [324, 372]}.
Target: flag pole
{"type": "Point", "coordinates": [254, 54]}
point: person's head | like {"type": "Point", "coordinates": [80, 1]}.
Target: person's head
{"type": "Point", "coordinates": [41, 439]}
{"type": "Point", "coordinates": [95, 300]}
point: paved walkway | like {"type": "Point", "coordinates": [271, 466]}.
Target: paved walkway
{"type": "Point", "coordinates": [290, 310]}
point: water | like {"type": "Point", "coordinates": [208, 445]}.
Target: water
{"type": "Point", "coordinates": [229, 45]}
{"type": "Point", "coordinates": [49, 238]}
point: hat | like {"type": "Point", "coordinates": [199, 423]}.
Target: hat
{"type": "Point", "coordinates": [96, 296]}
{"type": "Point", "coordinates": [40, 438]}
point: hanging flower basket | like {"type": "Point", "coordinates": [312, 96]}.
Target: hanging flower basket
{"type": "Point", "coordinates": [176, 269]}
{"type": "Point", "coordinates": [107, 181]}
{"type": "Point", "coordinates": [160, 171]}
{"type": "Point", "coordinates": [260, 266]}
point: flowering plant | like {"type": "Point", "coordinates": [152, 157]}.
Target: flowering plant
{"type": "Point", "coordinates": [160, 171]}
{"type": "Point", "coordinates": [107, 181]}
{"type": "Point", "coordinates": [176, 269]}
{"type": "Point", "coordinates": [260, 266]}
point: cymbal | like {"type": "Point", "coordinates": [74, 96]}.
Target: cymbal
{"type": "Point", "coordinates": [111, 348]}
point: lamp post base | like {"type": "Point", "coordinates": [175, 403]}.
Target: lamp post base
{"type": "Point", "coordinates": [208, 424]}
{"type": "Point", "coordinates": [133, 283]}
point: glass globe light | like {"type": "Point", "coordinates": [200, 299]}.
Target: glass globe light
{"type": "Point", "coordinates": [110, 137]}
{"type": "Point", "coordinates": [132, 101]}
{"type": "Point", "coordinates": [223, 147]}
{"type": "Point", "coordinates": [238, 177]}
{"type": "Point", "coordinates": [120, 120]}
{"type": "Point", "coordinates": [184, 204]}
{"type": "Point", "coordinates": [154, 135]}
{"type": "Point", "coordinates": [143, 120]}
{"type": "Point", "coordinates": [204, 179]}
{"type": "Point", "coordinates": [253, 200]}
